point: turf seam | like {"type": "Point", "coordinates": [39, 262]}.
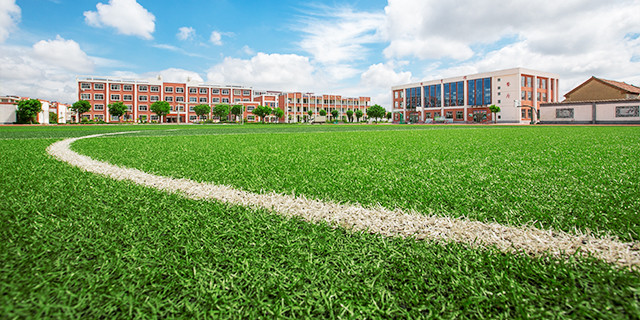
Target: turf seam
{"type": "Point", "coordinates": [509, 239]}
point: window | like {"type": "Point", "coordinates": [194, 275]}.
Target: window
{"type": "Point", "coordinates": [191, 109]}
{"type": "Point", "coordinates": [85, 85]}
{"type": "Point", "coordinates": [168, 89]}
{"type": "Point", "coordinates": [142, 107]}
{"type": "Point", "coordinates": [448, 114]}
{"type": "Point", "coordinates": [564, 113]}
{"type": "Point", "coordinates": [129, 107]}
{"type": "Point", "coordinates": [236, 99]}
{"type": "Point", "coordinates": [627, 111]}
{"type": "Point", "coordinates": [143, 98]}
{"type": "Point", "coordinates": [203, 100]}
{"type": "Point", "coordinates": [98, 96]}
{"type": "Point", "coordinates": [155, 89]}
{"type": "Point", "coordinates": [115, 97]}
{"type": "Point", "coordinates": [143, 118]}
{"type": "Point", "coordinates": [246, 92]}
{"type": "Point", "coordinates": [179, 90]}
{"type": "Point", "coordinates": [251, 118]}
{"type": "Point", "coordinates": [179, 99]}
{"type": "Point", "coordinates": [154, 98]}
{"type": "Point", "coordinates": [115, 118]}
{"type": "Point", "coordinates": [225, 100]}
{"type": "Point", "coordinates": [193, 99]}
{"type": "Point", "coordinates": [98, 86]}
{"type": "Point", "coordinates": [539, 96]}
{"type": "Point", "coordinates": [154, 117]}
{"type": "Point", "coordinates": [215, 91]}
{"type": "Point", "coordinates": [459, 115]}
{"type": "Point", "coordinates": [98, 117]}
{"type": "Point", "coordinates": [524, 95]}
{"type": "Point", "coordinates": [192, 118]}
{"type": "Point", "coordinates": [544, 96]}
{"type": "Point", "coordinates": [246, 100]}
{"type": "Point", "coordinates": [115, 87]}
{"type": "Point", "coordinates": [181, 108]}
{"type": "Point", "coordinates": [225, 91]}
{"type": "Point", "coordinates": [85, 96]}
{"type": "Point", "coordinates": [168, 99]}
{"type": "Point", "coordinates": [529, 95]}
{"type": "Point", "coordinates": [98, 107]}
{"type": "Point", "coordinates": [250, 108]}
{"type": "Point", "coordinates": [142, 88]}
{"type": "Point", "coordinates": [127, 97]}
{"type": "Point", "coordinates": [215, 100]}
{"type": "Point", "coordinates": [236, 92]}
{"type": "Point", "coordinates": [127, 87]}
{"type": "Point", "coordinates": [203, 91]}
{"type": "Point", "coordinates": [428, 115]}
{"type": "Point", "coordinates": [193, 90]}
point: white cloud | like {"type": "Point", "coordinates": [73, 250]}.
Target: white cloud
{"type": "Point", "coordinates": [267, 71]}
{"type": "Point", "coordinates": [378, 80]}
{"type": "Point", "coordinates": [186, 33]}
{"type": "Point", "coordinates": [247, 50]}
{"type": "Point", "coordinates": [175, 75]}
{"type": "Point", "coordinates": [24, 71]}
{"type": "Point", "coordinates": [9, 17]}
{"type": "Point", "coordinates": [127, 16]}
{"type": "Point", "coordinates": [63, 53]}
{"type": "Point", "coordinates": [216, 38]}
{"type": "Point", "coordinates": [338, 35]}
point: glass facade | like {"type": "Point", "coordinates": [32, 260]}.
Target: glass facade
{"type": "Point", "coordinates": [479, 92]}
{"type": "Point", "coordinates": [414, 97]}
{"type": "Point", "coordinates": [432, 96]}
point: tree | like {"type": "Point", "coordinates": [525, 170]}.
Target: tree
{"type": "Point", "coordinates": [262, 112]}
{"type": "Point", "coordinates": [349, 114]}
{"type": "Point", "coordinates": [310, 113]}
{"type": "Point", "coordinates": [53, 117]}
{"type": "Point", "coordinates": [117, 109]}
{"type": "Point", "coordinates": [81, 107]}
{"type": "Point", "coordinates": [359, 114]}
{"type": "Point", "coordinates": [201, 110]}
{"type": "Point", "coordinates": [237, 111]}
{"type": "Point", "coordinates": [376, 112]}
{"type": "Point", "coordinates": [323, 112]}
{"type": "Point", "coordinates": [28, 110]}
{"type": "Point", "coordinates": [221, 110]}
{"type": "Point", "coordinates": [161, 108]}
{"type": "Point", "coordinates": [334, 114]}
{"type": "Point", "coordinates": [279, 113]}
{"type": "Point", "coordinates": [494, 109]}
{"type": "Point", "coordinates": [389, 115]}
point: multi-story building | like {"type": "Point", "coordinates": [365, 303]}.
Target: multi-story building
{"type": "Point", "coordinates": [138, 95]}
{"type": "Point", "coordinates": [8, 110]}
{"type": "Point", "coordinates": [466, 99]}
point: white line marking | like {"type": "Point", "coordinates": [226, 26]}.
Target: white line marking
{"type": "Point", "coordinates": [381, 221]}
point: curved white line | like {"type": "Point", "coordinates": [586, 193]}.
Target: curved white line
{"type": "Point", "coordinates": [379, 220]}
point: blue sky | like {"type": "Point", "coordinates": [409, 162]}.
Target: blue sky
{"type": "Point", "coordinates": [354, 48]}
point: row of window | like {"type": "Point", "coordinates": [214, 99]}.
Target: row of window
{"type": "Point", "coordinates": [478, 90]}
{"type": "Point", "coordinates": [527, 95]}
{"type": "Point", "coordinates": [541, 83]}
{"type": "Point", "coordinates": [100, 107]}
{"type": "Point", "coordinates": [167, 89]}
{"type": "Point", "coordinates": [326, 101]}
{"type": "Point", "coordinates": [128, 97]}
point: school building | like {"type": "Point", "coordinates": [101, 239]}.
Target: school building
{"type": "Point", "coordinates": [518, 92]}
{"type": "Point", "coordinates": [138, 95]}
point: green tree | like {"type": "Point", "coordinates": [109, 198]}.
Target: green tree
{"type": "Point", "coordinates": [53, 117]}
{"type": "Point", "coordinates": [310, 113]}
{"type": "Point", "coordinates": [28, 110]}
{"type": "Point", "coordinates": [323, 112]}
{"type": "Point", "coordinates": [279, 113]}
{"type": "Point", "coordinates": [262, 112]}
{"type": "Point", "coordinates": [81, 107]}
{"type": "Point", "coordinates": [221, 111]}
{"type": "Point", "coordinates": [201, 110]}
{"type": "Point", "coordinates": [237, 111]}
{"type": "Point", "coordinates": [389, 115]}
{"type": "Point", "coordinates": [161, 108]}
{"type": "Point", "coordinates": [494, 109]}
{"type": "Point", "coordinates": [117, 109]}
{"type": "Point", "coordinates": [376, 112]}
{"type": "Point", "coordinates": [359, 114]}
{"type": "Point", "coordinates": [350, 115]}
{"type": "Point", "coordinates": [334, 114]}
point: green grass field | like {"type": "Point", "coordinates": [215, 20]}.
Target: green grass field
{"type": "Point", "coordinates": [80, 245]}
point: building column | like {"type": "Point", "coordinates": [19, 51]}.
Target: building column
{"type": "Point", "coordinates": [465, 93]}
{"type": "Point", "coordinates": [534, 99]}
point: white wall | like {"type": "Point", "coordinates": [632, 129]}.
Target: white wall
{"type": "Point", "coordinates": [7, 113]}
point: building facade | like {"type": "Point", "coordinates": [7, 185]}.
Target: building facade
{"type": "Point", "coordinates": [596, 101]}
{"type": "Point", "coordinates": [138, 95]}
{"type": "Point", "coordinates": [518, 92]}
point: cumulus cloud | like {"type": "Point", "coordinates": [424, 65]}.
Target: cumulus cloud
{"type": "Point", "coordinates": [127, 16]}
{"type": "Point", "coordinates": [24, 71]}
{"type": "Point", "coordinates": [216, 38]}
{"type": "Point", "coordinates": [9, 17]}
{"type": "Point", "coordinates": [267, 71]}
{"type": "Point", "coordinates": [63, 53]}
{"type": "Point", "coordinates": [186, 33]}
{"type": "Point", "coordinates": [378, 80]}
